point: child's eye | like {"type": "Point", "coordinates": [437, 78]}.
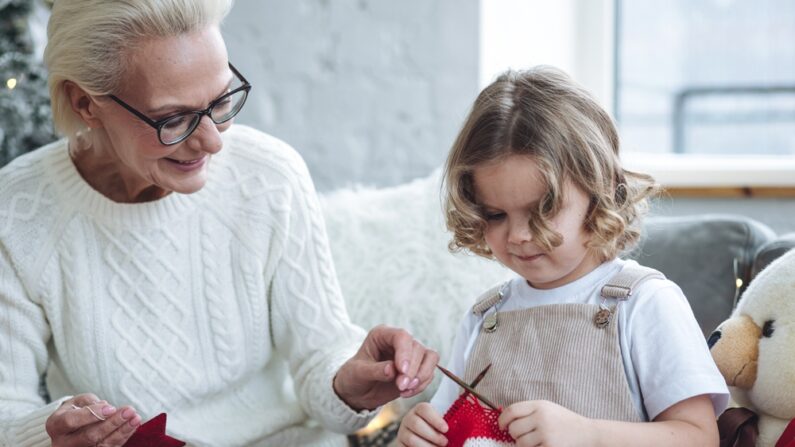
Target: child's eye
{"type": "Point", "coordinates": [491, 217]}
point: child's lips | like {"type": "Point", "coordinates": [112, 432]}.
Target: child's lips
{"type": "Point", "coordinates": [529, 258]}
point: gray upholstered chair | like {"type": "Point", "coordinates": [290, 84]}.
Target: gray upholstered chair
{"type": "Point", "coordinates": [711, 257]}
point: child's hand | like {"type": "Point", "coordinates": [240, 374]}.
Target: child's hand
{"type": "Point", "coordinates": [421, 427]}
{"type": "Point", "coordinates": [540, 422]}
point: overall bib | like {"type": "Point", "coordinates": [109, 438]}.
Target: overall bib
{"type": "Point", "coordinates": [568, 354]}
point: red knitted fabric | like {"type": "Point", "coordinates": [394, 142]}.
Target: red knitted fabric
{"type": "Point", "coordinates": [473, 425]}
{"type": "Point", "coordinates": [153, 434]}
{"type": "Point", "coordinates": [787, 438]}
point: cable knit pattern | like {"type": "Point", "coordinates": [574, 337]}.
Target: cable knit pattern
{"type": "Point", "coordinates": [220, 307]}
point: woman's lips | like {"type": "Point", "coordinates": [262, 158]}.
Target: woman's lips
{"type": "Point", "coordinates": [187, 165]}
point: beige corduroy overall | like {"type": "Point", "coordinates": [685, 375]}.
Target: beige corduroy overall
{"type": "Point", "coordinates": [568, 354]}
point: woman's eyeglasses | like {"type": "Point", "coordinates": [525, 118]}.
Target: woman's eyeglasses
{"type": "Point", "coordinates": [176, 128]}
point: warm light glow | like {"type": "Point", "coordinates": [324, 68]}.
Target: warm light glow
{"type": "Point", "coordinates": [11, 83]}
{"type": "Point", "coordinates": [384, 418]}
{"type": "Point", "coordinates": [739, 283]}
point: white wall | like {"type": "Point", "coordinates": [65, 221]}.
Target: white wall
{"type": "Point", "coordinates": [373, 91]}
{"type": "Point", "coordinates": [368, 91]}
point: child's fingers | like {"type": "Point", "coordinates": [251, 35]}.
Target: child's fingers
{"type": "Point", "coordinates": [421, 427]}
{"type": "Point", "coordinates": [524, 426]}
{"type": "Point", "coordinates": [429, 414]}
{"type": "Point", "coordinates": [516, 411]}
{"type": "Point", "coordinates": [414, 440]}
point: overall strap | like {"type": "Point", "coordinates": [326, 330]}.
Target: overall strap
{"type": "Point", "coordinates": [622, 284]}
{"type": "Point", "coordinates": [488, 299]}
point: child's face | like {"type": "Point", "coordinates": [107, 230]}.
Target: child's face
{"type": "Point", "coordinates": [508, 190]}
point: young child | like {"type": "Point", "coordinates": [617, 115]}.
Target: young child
{"type": "Point", "coordinates": [586, 348]}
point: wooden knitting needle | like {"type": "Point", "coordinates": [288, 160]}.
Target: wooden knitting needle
{"type": "Point", "coordinates": [480, 376]}
{"type": "Point", "coordinates": [464, 385]}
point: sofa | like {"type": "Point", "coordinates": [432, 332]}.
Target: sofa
{"type": "Point", "coordinates": [390, 251]}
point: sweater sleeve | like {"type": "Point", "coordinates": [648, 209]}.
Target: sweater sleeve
{"type": "Point", "coordinates": [23, 350]}
{"type": "Point", "coordinates": [310, 325]}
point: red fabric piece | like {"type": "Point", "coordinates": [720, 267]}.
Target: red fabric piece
{"type": "Point", "coordinates": [468, 420]}
{"type": "Point", "coordinates": [787, 438]}
{"type": "Point", "coordinates": [153, 434]}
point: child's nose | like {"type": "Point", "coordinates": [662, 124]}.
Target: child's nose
{"type": "Point", "coordinates": [519, 233]}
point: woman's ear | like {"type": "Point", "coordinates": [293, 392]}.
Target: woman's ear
{"type": "Point", "coordinates": [82, 104]}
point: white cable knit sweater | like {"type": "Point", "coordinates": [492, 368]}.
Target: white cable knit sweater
{"type": "Point", "coordinates": [220, 307]}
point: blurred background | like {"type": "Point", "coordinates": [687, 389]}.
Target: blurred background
{"type": "Point", "coordinates": [372, 92]}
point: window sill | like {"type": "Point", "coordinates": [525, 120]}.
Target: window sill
{"type": "Point", "coordinates": [724, 176]}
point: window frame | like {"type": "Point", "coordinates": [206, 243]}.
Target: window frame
{"type": "Point", "coordinates": [686, 174]}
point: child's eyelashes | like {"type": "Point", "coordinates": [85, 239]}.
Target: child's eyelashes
{"type": "Point", "coordinates": [492, 217]}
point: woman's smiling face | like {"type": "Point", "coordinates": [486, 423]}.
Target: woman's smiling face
{"type": "Point", "coordinates": [166, 76]}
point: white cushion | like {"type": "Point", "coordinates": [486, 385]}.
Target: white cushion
{"type": "Point", "coordinates": [390, 251]}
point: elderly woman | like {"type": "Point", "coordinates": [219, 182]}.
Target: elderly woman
{"type": "Point", "coordinates": [161, 259]}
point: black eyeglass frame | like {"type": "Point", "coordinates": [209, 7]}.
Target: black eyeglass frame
{"type": "Point", "coordinates": [158, 125]}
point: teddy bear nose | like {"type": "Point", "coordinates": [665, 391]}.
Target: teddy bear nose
{"type": "Point", "coordinates": [713, 338]}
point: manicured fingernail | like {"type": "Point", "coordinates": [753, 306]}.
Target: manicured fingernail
{"type": "Point", "coordinates": [127, 413]}
{"type": "Point", "coordinates": [414, 383]}
{"type": "Point", "coordinates": [404, 366]}
{"type": "Point", "coordinates": [107, 410]}
{"type": "Point", "coordinates": [403, 382]}
{"type": "Point", "coordinates": [445, 428]}
{"type": "Point", "coordinates": [136, 421]}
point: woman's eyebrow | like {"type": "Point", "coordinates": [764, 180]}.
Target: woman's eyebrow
{"type": "Point", "coordinates": [181, 107]}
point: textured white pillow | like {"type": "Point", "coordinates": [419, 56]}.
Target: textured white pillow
{"type": "Point", "coordinates": [390, 250]}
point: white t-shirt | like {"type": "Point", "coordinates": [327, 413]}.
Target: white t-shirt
{"type": "Point", "coordinates": [665, 356]}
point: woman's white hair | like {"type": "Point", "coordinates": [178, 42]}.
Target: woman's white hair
{"type": "Point", "coordinates": [88, 42]}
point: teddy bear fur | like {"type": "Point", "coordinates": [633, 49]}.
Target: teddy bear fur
{"type": "Point", "coordinates": [755, 349]}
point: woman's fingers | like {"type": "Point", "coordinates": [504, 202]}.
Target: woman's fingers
{"type": "Point", "coordinates": [69, 419]}
{"type": "Point", "coordinates": [82, 400]}
{"type": "Point", "coordinates": [377, 372]}
{"type": "Point", "coordinates": [424, 374]}
{"type": "Point", "coordinates": [114, 431]}
{"type": "Point", "coordinates": [122, 434]}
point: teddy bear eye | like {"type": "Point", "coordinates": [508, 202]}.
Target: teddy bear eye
{"type": "Point", "coordinates": [768, 329]}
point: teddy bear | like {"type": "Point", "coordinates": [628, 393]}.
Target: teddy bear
{"type": "Point", "coordinates": [755, 351]}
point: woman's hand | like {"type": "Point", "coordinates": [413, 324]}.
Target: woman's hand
{"type": "Point", "coordinates": [390, 363]}
{"type": "Point", "coordinates": [540, 422]}
{"type": "Point", "coordinates": [78, 423]}
{"type": "Point", "coordinates": [421, 427]}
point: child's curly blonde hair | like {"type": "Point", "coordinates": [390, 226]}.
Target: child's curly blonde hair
{"type": "Point", "coordinates": [543, 114]}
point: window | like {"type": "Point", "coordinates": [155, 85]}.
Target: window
{"type": "Point", "coordinates": [703, 90]}
{"type": "Point", "coordinates": [710, 77]}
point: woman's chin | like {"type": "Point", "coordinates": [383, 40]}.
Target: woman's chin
{"type": "Point", "coordinates": [187, 183]}
{"type": "Point", "coordinates": [195, 185]}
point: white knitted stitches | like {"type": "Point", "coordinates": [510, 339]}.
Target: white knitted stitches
{"type": "Point", "coordinates": [170, 305]}
{"type": "Point", "coordinates": [484, 442]}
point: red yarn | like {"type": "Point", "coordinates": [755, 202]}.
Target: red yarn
{"type": "Point", "coordinates": [470, 424]}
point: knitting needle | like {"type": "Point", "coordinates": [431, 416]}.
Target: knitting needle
{"type": "Point", "coordinates": [464, 385]}
{"type": "Point", "coordinates": [480, 376]}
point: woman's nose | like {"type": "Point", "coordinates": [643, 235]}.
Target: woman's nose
{"type": "Point", "coordinates": [206, 137]}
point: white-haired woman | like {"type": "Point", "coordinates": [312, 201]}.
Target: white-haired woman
{"type": "Point", "coordinates": [160, 259]}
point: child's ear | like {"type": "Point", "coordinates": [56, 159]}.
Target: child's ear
{"type": "Point", "coordinates": [82, 104]}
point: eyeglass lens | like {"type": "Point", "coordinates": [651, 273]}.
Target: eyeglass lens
{"type": "Point", "coordinates": [180, 126]}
